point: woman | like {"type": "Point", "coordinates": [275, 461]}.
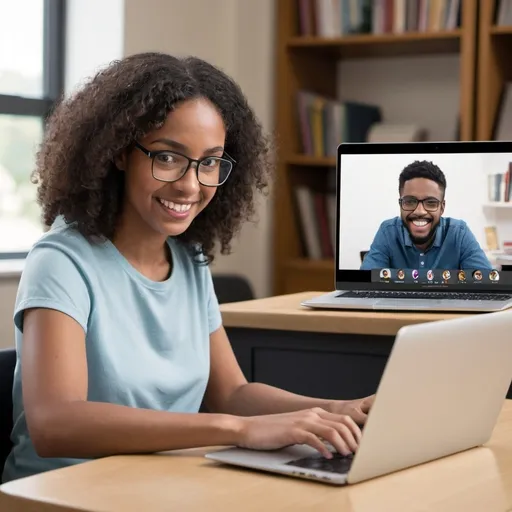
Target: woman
{"type": "Point", "coordinates": [118, 329]}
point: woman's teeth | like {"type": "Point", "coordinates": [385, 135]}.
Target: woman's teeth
{"type": "Point", "coordinates": [177, 207]}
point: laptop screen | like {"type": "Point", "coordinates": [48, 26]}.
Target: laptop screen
{"type": "Point", "coordinates": [424, 215]}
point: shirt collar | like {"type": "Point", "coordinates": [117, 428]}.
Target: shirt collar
{"type": "Point", "coordinates": [438, 240]}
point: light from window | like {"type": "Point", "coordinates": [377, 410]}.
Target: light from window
{"type": "Point", "coordinates": [20, 218]}
{"type": "Point", "coordinates": [21, 49]}
{"type": "Point", "coordinates": [21, 74]}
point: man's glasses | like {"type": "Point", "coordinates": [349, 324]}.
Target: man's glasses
{"type": "Point", "coordinates": [169, 166]}
{"type": "Point", "coordinates": [410, 203]}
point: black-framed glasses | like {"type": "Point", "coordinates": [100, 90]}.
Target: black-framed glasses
{"type": "Point", "coordinates": [410, 203]}
{"type": "Point", "coordinates": [169, 166]}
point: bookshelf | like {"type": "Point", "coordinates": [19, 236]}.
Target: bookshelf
{"type": "Point", "coordinates": [309, 62]}
{"type": "Point", "coordinates": [494, 70]}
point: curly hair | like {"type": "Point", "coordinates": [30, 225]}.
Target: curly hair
{"type": "Point", "coordinates": [423, 169]}
{"type": "Point", "coordinates": [75, 167]}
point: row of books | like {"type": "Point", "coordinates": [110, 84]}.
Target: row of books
{"type": "Point", "coordinates": [503, 13]}
{"type": "Point", "coordinates": [325, 122]}
{"type": "Point", "coordinates": [336, 18]}
{"type": "Point", "coordinates": [499, 189]}
{"type": "Point", "coordinates": [317, 222]}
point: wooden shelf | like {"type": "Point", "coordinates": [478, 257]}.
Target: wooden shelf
{"type": "Point", "coordinates": [383, 45]}
{"type": "Point", "coordinates": [305, 264]}
{"type": "Point", "coordinates": [311, 63]}
{"type": "Point", "coordinates": [311, 161]}
{"type": "Point", "coordinates": [493, 70]}
{"type": "Point", "coordinates": [505, 30]}
{"type": "Point", "coordinates": [301, 274]}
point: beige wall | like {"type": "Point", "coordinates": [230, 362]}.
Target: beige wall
{"type": "Point", "coordinates": [236, 35]}
{"type": "Point", "coordinates": [8, 288]}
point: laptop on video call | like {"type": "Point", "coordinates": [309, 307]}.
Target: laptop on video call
{"type": "Point", "coordinates": [412, 226]}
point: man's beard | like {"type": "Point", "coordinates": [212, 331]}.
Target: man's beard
{"type": "Point", "coordinates": [417, 240]}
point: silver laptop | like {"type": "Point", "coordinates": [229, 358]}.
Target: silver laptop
{"type": "Point", "coordinates": [419, 227]}
{"type": "Point", "coordinates": [441, 393]}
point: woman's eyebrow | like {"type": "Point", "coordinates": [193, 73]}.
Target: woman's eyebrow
{"type": "Point", "coordinates": [181, 147]}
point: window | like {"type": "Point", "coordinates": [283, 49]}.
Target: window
{"type": "Point", "coordinates": [31, 79]}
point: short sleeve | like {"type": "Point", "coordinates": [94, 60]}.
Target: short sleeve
{"type": "Point", "coordinates": [378, 254]}
{"type": "Point", "coordinates": [214, 314]}
{"type": "Point", "coordinates": [52, 279]}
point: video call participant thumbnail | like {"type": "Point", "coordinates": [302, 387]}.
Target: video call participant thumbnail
{"type": "Point", "coordinates": [421, 237]}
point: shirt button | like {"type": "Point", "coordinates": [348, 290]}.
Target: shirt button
{"type": "Point", "coordinates": [422, 254]}
{"type": "Point", "coordinates": [422, 263]}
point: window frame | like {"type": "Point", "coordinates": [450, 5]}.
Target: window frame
{"type": "Point", "coordinates": [54, 24]}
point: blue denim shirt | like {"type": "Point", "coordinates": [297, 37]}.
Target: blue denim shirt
{"type": "Point", "coordinates": [454, 247]}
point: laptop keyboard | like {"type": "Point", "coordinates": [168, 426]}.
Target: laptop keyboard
{"type": "Point", "coordinates": [338, 464]}
{"type": "Point", "coordinates": [379, 294]}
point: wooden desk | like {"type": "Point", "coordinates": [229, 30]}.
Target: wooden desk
{"type": "Point", "coordinates": [476, 480]}
{"type": "Point", "coordinates": [284, 312]}
{"type": "Point", "coordinates": [321, 353]}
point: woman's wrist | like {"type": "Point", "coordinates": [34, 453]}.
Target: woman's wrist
{"type": "Point", "coordinates": [230, 429]}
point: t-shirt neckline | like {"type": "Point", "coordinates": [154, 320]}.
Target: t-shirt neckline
{"type": "Point", "coordinates": [138, 276]}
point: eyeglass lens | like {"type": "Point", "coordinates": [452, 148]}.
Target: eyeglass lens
{"type": "Point", "coordinates": [171, 166]}
{"type": "Point", "coordinates": [409, 203]}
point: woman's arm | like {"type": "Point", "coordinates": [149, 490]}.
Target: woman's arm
{"type": "Point", "coordinates": [63, 424]}
{"type": "Point", "coordinates": [228, 391]}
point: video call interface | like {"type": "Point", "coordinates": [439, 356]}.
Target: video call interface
{"type": "Point", "coordinates": [421, 220]}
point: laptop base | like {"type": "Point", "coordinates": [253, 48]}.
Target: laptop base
{"type": "Point", "coordinates": [335, 300]}
{"type": "Point", "coordinates": [298, 461]}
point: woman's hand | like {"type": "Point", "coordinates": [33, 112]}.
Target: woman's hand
{"type": "Point", "coordinates": [311, 427]}
{"type": "Point", "coordinates": [357, 409]}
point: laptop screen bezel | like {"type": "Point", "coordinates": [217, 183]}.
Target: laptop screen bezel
{"type": "Point", "coordinates": [353, 279]}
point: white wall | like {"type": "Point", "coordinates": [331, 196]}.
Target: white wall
{"type": "Point", "coordinates": [237, 36]}
{"type": "Point", "coordinates": [369, 195]}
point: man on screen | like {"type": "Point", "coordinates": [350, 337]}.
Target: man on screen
{"type": "Point", "coordinates": [421, 238]}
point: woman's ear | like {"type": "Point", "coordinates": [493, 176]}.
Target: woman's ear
{"type": "Point", "coordinates": [120, 161]}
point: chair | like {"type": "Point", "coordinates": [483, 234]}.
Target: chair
{"type": "Point", "coordinates": [362, 255]}
{"type": "Point", "coordinates": [232, 288]}
{"type": "Point", "coordinates": [7, 364]}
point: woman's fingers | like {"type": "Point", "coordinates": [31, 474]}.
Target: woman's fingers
{"type": "Point", "coordinates": [331, 434]}
{"type": "Point", "coordinates": [346, 434]}
{"type": "Point", "coordinates": [343, 420]}
{"type": "Point", "coordinates": [315, 442]}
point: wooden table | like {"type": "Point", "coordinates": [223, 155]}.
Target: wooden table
{"type": "Point", "coordinates": [478, 480]}
{"type": "Point", "coordinates": [321, 353]}
{"type": "Point", "coordinates": [284, 312]}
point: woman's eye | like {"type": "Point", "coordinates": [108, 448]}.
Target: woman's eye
{"type": "Point", "coordinates": [210, 162]}
{"type": "Point", "coordinates": [165, 158]}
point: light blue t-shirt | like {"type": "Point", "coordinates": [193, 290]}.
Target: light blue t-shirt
{"type": "Point", "coordinates": [147, 342]}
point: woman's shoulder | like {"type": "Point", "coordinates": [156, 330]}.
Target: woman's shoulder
{"type": "Point", "coordinates": [57, 275]}
{"type": "Point", "coordinates": [59, 231]}
{"type": "Point", "coordinates": [61, 242]}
